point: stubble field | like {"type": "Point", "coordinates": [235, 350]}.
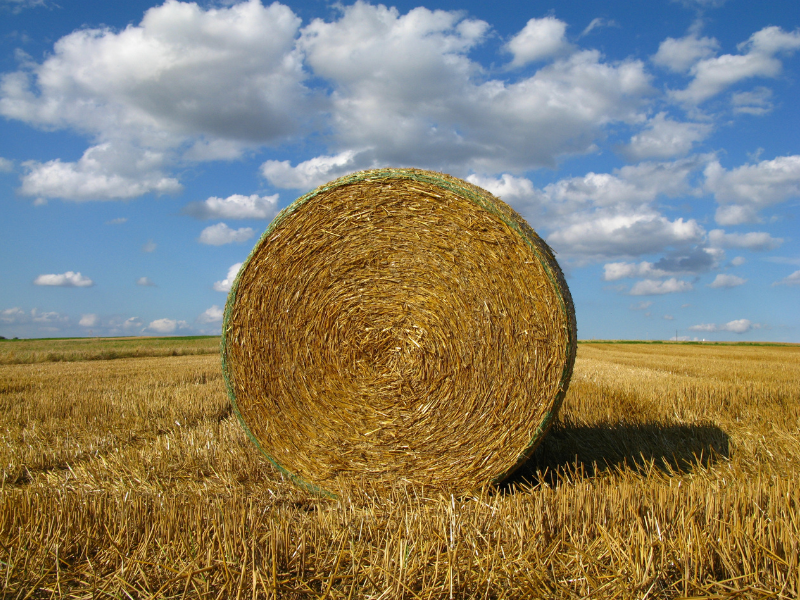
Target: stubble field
{"type": "Point", "coordinates": [672, 472]}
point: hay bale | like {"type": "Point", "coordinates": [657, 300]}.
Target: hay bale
{"type": "Point", "coordinates": [398, 325]}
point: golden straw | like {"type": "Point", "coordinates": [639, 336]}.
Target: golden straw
{"type": "Point", "coordinates": [398, 325]}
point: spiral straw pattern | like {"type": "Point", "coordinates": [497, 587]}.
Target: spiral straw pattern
{"type": "Point", "coordinates": [398, 325]}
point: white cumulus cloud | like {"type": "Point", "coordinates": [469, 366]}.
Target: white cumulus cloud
{"type": "Point", "coordinates": [620, 270]}
{"type": "Point", "coordinates": [132, 324]}
{"type": "Point", "coordinates": [313, 172]}
{"type": "Point", "coordinates": [507, 187]}
{"type": "Point", "coordinates": [166, 325]}
{"type": "Point", "coordinates": [652, 287]}
{"type": "Point", "coordinates": [90, 320]}
{"type": "Point", "coordinates": [623, 235]}
{"type": "Point", "coordinates": [727, 281]}
{"type": "Point", "coordinates": [68, 279]}
{"type": "Point", "coordinates": [405, 87]}
{"type": "Point", "coordinates": [47, 320]}
{"type": "Point", "coordinates": [793, 279]}
{"type": "Point", "coordinates": [236, 206]}
{"type": "Point", "coordinates": [223, 73]}
{"type": "Point", "coordinates": [755, 102]}
{"type": "Point", "coordinates": [601, 216]}
{"type": "Point", "coordinates": [211, 315]}
{"type": "Point", "coordinates": [632, 185]}
{"type": "Point", "coordinates": [225, 284]}
{"type": "Point", "coordinates": [517, 191]}
{"type": "Point", "coordinates": [665, 138]}
{"type": "Point", "coordinates": [145, 281]}
{"type": "Point", "coordinates": [539, 39]}
{"type": "Point", "coordinates": [715, 74]}
{"type": "Point", "coordinates": [753, 240]}
{"type": "Point", "coordinates": [12, 315]}
{"type": "Point", "coordinates": [220, 234]}
{"type": "Point", "coordinates": [744, 191]}
{"type": "Point", "coordinates": [199, 82]}
{"type": "Point", "coordinates": [214, 80]}
{"type": "Point", "coordinates": [104, 172]}
{"type": "Point", "coordinates": [737, 326]}
{"type": "Point", "coordinates": [680, 54]}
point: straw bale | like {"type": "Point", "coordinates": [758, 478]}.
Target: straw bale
{"type": "Point", "coordinates": [398, 325]}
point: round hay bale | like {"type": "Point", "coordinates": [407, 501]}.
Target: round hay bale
{"type": "Point", "coordinates": [398, 325]}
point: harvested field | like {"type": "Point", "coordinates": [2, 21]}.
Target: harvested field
{"type": "Point", "coordinates": [59, 350]}
{"type": "Point", "coordinates": [671, 473]}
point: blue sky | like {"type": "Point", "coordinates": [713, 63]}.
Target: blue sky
{"type": "Point", "coordinates": [144, 147]}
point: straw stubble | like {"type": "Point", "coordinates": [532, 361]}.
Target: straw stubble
{"type": "Point", "coordinates": [398, 325]}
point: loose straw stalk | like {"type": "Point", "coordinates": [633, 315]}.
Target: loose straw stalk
{"type": "Point", "coordinates": [398, 325]}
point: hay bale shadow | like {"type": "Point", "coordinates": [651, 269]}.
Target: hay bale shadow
{"type": "Point", "coordinates": [571, 450]}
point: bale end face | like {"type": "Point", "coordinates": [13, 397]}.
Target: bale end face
{"type": "Point", "coordinates": [398, 325]}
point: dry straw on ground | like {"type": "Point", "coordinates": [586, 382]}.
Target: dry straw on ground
{"type": "Point", "coordinates": [398, 325]}
{"type": "Point", "coordinates": [671, 472]}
